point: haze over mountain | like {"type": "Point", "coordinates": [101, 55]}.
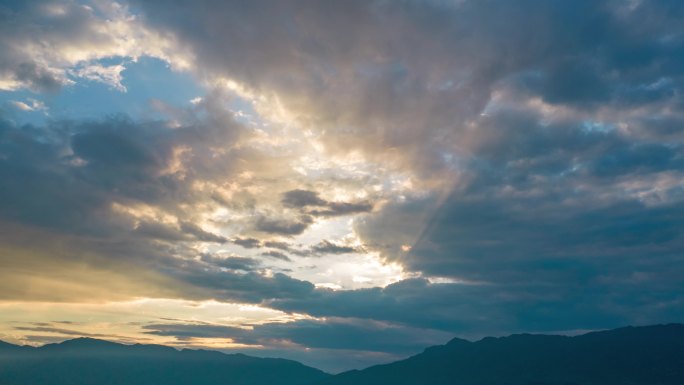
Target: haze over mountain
{"type": "Point", "coordinates": [96, 362]}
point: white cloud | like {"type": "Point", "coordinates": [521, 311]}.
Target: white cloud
{"type": "Point", "coordinates": [46, 46]}
{"type": "Point", "coordinates": [110, 75]}
{"type": "Point", "coordinates": [29, 105]}
{"type": "Point", "coordinates": [21, 106]}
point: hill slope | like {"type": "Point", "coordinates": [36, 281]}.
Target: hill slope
{"type": "Point", "coordinates": [85, 361]}
{"type": "Point", "coordinates": [652, 355]}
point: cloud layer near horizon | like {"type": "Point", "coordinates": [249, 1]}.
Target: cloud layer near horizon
{"type": "Point", "coordinates": [378, 171]}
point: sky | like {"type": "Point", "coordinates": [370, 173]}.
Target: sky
{"type": "Point", "coordinates": [343, 183]}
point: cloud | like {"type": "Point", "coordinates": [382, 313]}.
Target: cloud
{"type": "Point", "coordinates": [333, 344]}
{"type": "Point", "coordinates": [248, 243]}
{"type": "Point", "coordinates": [347, 334]}
{"type": "Point", "coordinates": [200, 234]}
{"type": "Point", "coordinates": [276, 254]}
{"type": "Point", "coordinates": [39, 78]}
{"type": "Point", "coordinates": [327, 247]}
{"type": "Point", "coordinates": [278, 245]}
{"type": "Point", "coordinates": [475, 310]}
{"type": "Point", "coordinates": [333, 209]}
{"type": "Point", "coordinates": [432, 306]}
{"type": "Point", "coordinates": [110, 75]}
{"type": "Point", "coordinates": [521, 162]}
{"type": "Point", "coordinates": [65, 332]}
{"type": "Point", "coordinates": [555, 220]}
{"type": "Point", "coordinates": [159, 231]}
{"type": "Point", "coordinates": [29, 105]}
{"type": "Point", "coordinates": [283, 226]}
{"type": "Point", "coordinates": [44, 266]}
{"type": "Point", "coordinates": [120, 191]}
{"type": "Point", "coordinates": [569, 200]}
{"type": "Point", "coordinates": [379, 90]}
{"type": "Point", "coordinates": [48, 45]}
{"type": "Point", "coordinates": [40, 266]}
{"type": "Point", "coordinates": [232, 262]}
{"type": "Point", "coordinates": [302, 199]}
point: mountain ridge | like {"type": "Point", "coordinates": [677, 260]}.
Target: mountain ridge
{"type": "Point", "coordinates": [641, 355]}
{"type": "Point", "coordinates": [90, 361]}
{"type": "Point", "coordinates": [645, 355]}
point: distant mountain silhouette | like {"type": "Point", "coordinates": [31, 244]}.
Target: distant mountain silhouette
{"type": "Point", "coordinates": [6, 348]}
{"type": "Point", "coordinates": [652, 355]}
{"type": "Point", "coordinates": [86, 361]}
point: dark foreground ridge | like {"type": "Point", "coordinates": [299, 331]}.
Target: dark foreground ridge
{"type": "Point", "coordinates": [649, 355]}
{"type": "Point", "coordinates": [86, 361]}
